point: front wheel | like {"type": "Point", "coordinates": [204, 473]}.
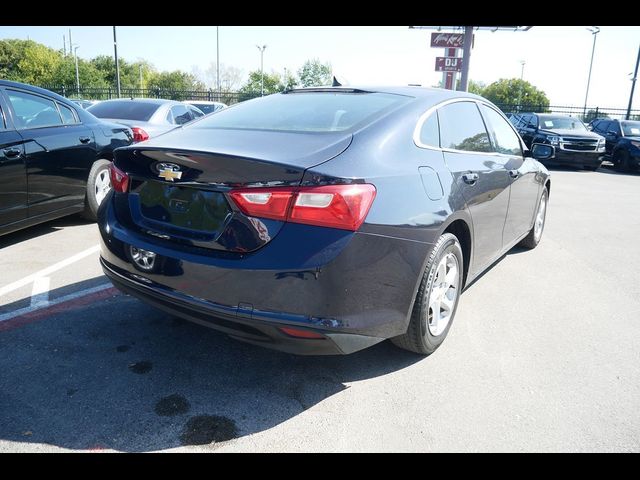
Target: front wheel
{"type": "Point", "coordinates": [621, 160]}
{"type": "Point", "coordinates": [437, 298]}
{"type": "Point", "coordinates": [98, 186]}
{"type": "Point", "coordinates": [535, 234]}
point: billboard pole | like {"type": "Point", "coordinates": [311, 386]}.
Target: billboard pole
{"type": "Point", "coordinates": [466, 58]}
{"type": "Point", "coordinates": [633, 86]}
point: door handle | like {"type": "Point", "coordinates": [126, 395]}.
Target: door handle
{"type": "Point", "coordinates": [470, 178]}
{"type": "Point", "coordinates": [84, 139]}
{"type": "Point", "coordinates": [514, 173]}
{"type": "Point", "coordinates": [12, 152]}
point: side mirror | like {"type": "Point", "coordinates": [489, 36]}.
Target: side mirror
{"type": "Point", "coordinates": [541, 151]}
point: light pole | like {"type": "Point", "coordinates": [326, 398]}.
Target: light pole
{"type": "Point", "coordinates": [218, 60]}
{"type": "Point", "coordinates": [633, 86]}
{"type": "Point", "coordinates": [261, 68]}
{"type": "Point", "coordinates": [523, 63]}
{"type": "Point", "coordinates": [75, 52]}
{"type": "Point", "coordinates": [594, 31]}
{"type": "Point", "coordinates": [115, 54]}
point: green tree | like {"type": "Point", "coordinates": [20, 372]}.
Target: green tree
{"type": "Point", "coordinates": [508, 93]}
{"type": "Point", "coordinates": [252, 87]}
{"type": "Point", "coordinates": [170, 84]}
{"type": "Point", "coordinates": [28, 61]}
{"type": "Point", "coordinates": [314, 73]}
{"type": "Point", "coordinates": [476, 87]}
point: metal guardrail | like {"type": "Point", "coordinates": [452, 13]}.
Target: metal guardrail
{"type": "Point", "coordinates": [108, 93]}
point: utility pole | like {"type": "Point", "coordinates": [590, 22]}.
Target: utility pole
{"type": "Point", "coordinates": [64, 45]}
{"type": "Point", "coordinates": [75, 51]}
{"type": "Point", "coordinates": [594, 31]}
{"type": "Point", "coordinates": [70, 44]}
{"type": "Point", "coordinates": [261, 68]}
{"type": "Point", "coordinates": [218, 60]}
{"type": "Point", "coordinates": [633, 85]}
{"type": "Point", "coordinates": [115, 54]}
{"type": "Point", "coordinates": [466, 58]}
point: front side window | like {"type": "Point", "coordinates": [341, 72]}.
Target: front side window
{"type": "Point", "coordinates": [462, 128]}
{"type": "Point", "coordinates": [67, 114]}
{"type": "Point", "coordinates": [195, 113]}
{"type": "Point", "coordinates": [33, 111]}
{"type": "Point", "coordinates": [505, 140]}
{"type": "Point", "coordinates": [430, 131]}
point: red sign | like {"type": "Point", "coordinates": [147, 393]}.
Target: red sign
{"type": "Point", "coordinates": [447, 40]}
{"type": "Point", "coordinates": [448, 64]}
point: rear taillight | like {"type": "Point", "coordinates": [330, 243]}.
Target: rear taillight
{"type": "Point", "coordinates": [335, 206]}
{"type": "Point", "coordinates": [139, 135]}
{"type": "Point", "coordinates": [119, 179]}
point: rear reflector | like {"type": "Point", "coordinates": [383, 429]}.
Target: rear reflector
{"type": "Point", "coordinates": [139, 134]}
{"type": "Point", "coordinates": [294, 332]}
{"type": "Point", "coordinates": [335, 206]}
{"type": "Point", "coordinates": [119, 179]}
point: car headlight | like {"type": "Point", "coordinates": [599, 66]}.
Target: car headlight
{"type": "Point", "coordinates": [601, 143]}
{"type": "Point", "coordinates": [554, 139]}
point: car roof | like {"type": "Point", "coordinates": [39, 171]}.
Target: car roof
{"type": "Point", "coordinates": [155, 101]}
{"type": "Point", "coordinates": [435, 95]}
{"type": "Point", "coordinates": [34, 89]}
{"type": "Point", "coordinates": [204, 102]}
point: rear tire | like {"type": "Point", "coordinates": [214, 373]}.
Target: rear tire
{"type": "Point", "coordinates": [437, 298]}
{"type": "Point", "coordinates": [98, 185]}
{"type": "Point", "coordinates": [532, 240]}
{"type": "Point", "coordinates": [621, 160]}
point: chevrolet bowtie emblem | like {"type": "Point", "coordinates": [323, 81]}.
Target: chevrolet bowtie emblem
{"type": "Point", "coordinates": [169, 171]}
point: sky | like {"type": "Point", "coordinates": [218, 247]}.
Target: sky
{"type": "Point", "coordinates": [556, 58]}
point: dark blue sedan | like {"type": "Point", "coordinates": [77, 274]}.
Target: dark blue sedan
{"type": "Point", "coordinates": [324, 220]}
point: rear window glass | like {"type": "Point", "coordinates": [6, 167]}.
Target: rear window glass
{"type": "Point", "coordinates": [205, 107]}
{"type": "Point", "coordinates": [124, 110]}
{"type": "Point", "coordinates": [304, 111]}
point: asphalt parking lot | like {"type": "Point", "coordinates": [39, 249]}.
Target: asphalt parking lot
{"type": "Point", "coordinates": [544, 355]}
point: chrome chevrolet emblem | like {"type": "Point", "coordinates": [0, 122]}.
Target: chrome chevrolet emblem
{"type": "Point", "coordinates": [169, 171]}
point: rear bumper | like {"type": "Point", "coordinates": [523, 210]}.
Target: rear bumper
{"type": "Point", "coordinates": [239, 325]}
{"type": "Point", "coordinates": [356, 289]}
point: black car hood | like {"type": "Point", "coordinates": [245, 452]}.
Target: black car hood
{"type": "Point", "coordinates": [567, 132]}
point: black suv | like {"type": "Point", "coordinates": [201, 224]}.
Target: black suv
{"type": "Point", "coordinates": [54, 157]}
{"type": "Point", "coordinates": [574, 144]}
{"type": "Point", "coordinates": [622, 141]}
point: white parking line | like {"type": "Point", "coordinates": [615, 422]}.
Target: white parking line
{"type": "Point", "coordinates": [40, 292]}
{"type": "Point", "coordinates": [49, 270]}
{"type": "Point", "coordinates": [66, 298]}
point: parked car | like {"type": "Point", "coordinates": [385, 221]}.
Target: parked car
{"type": "Point", "coordinates": [324, 220]}
{"type": "Point", "coordinates": [54, 157]}
{"type": "Point", "coordinates": [84, 103]}
{"type": "Point", "coordinates": [205, 106]}
{"type": "Point", "coordinates": [147, 117]}
{"type": "Point", "coordinates": [575, 144]}
{"type": "Point", "coordinates": [622, 141]}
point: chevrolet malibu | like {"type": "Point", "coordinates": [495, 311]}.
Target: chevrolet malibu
{"type": "Point", "coordinates": [324, 220]}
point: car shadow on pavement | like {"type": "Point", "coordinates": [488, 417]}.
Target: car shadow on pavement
{"type": "Point", "coordinates": [118, 374]}
{"type": "Point", "coordinates": [611, 170]}
{"type": "Point", "coordinates": [41, 229]}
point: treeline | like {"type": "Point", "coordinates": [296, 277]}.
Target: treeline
{"type": "Point", "coordinates": [31, 62]}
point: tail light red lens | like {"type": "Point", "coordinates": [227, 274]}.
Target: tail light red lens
{"type": "Point", "coordinates": [296, 332]}
{"type": "Point", "coordinates": [139, 135]}
{"type": "Point", "coordinates": [335, 206]}
{"type": "Point", "coordinates": [119, 179]}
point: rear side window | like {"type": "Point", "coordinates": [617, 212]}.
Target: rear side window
{"type": "Point", "coordinates": [124, 110]}
{"type": "Point", "coordinates": [430, 132]}
{"type": "Point", "coordinates": [504, 139]}
{"type": "Point", "coordinates": [305, 111]}
{"type": "Point", "coordinates": [462, 128]}
{"type": "Point", "coordinates": [33, 111]}
{"type": "Point", "coordinates": [180, 114]}
{"type": "Point", "coordinates": [68, 116]}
